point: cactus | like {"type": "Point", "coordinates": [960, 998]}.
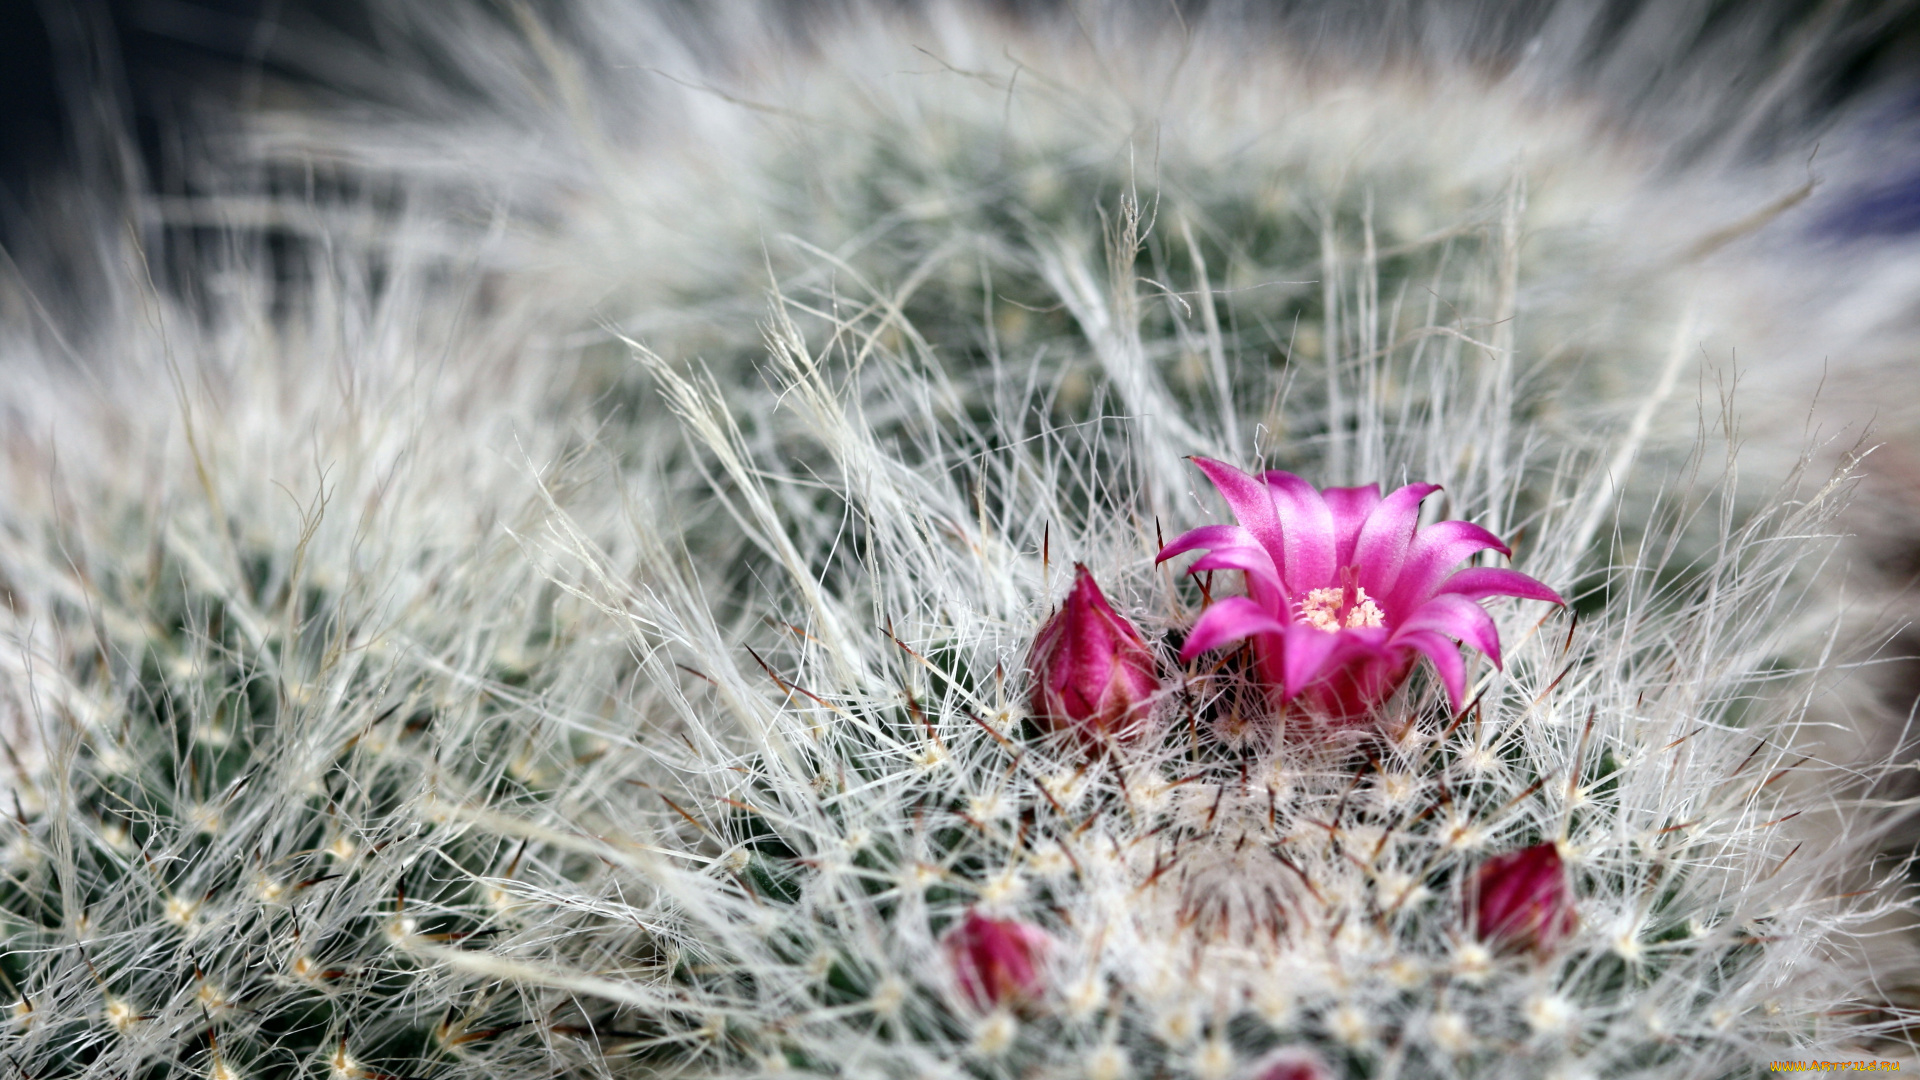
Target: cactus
{"type": "Point", "coordinates": [468, 667]}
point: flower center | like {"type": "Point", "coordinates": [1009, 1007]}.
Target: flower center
{"type": "Point", "coordinates": [1332, 609]}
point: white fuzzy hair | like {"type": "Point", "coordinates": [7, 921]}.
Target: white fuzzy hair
{"type": "Point", "coordinates": [564, 611]}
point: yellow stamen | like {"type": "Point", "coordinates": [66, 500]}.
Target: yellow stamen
{"type": "Point", "coordinates": [1322, 610]}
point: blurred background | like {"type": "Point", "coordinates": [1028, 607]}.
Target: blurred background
{"type": "Point", "coordinates": [75, 72]}
{"type": "Point", "coordinates": [99, 97]}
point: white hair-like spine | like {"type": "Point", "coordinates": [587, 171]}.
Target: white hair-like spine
{"type": "Point", "coordinates": [595, 647]}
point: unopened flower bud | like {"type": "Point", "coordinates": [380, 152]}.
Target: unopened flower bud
{"type": "Point", "coordinates": [1522, 901]}
{"type": "Point", "coordinates": [1290, 1063]}
{"type": "Point", "coordinates": [996, 961]}
{"type": "Point", "coordinates": [1091, 669]}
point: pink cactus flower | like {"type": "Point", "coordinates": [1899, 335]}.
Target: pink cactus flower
{"type": "Point", "coordinates": [1345, 589]}
{"type": "Point", "coordinates": [1092, 671]}
{"type": "Point", "coordinates": [1290, 1063]}
{"type": "Point", "coordinates": [1522, 901]}
{"type": "Point", "coordinates": [997, 961]}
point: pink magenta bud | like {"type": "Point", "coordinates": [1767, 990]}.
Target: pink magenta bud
{"type": "Point", "coordinates": [1290, 1063]}
{"type": "Point", "coordinates": [996, 961]}
{"type": "Point", "coordinates": [1522, 901]}
{"type": "Point", "coordinates": [1091, 669]}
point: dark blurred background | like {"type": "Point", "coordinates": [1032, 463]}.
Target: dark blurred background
{"type": "Point", "coordinates": [159, 56]}
{"type": "Point", "coordinates": [76, 72]}
{"type": "Point", "coordinates": [90, 85]}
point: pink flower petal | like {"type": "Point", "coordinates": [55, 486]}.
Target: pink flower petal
{"type": "Point", "coordinates": [1227, 621]}
{"type": "Point", "coordinates": [1381, 548]}
{"type": "Point", "coordinates": [1456, 617]}
{"type": "Point", "coordinates": [1350, 506]}
{"type": "Point", "coordinates": [1230, 547]}
{"type": "Point", "coordinates": [1249, 499]}
{"type": "Point", "coordinates": [1206, 536]}
{"type": "Point", "coordinates": [1435, 551]}
{"type": "Point", "coordinates": [1356, 678]}
{"type": "Point", "coordinates": [1446, 661]}
{"type": "Point", "coordinates": [1306, 529]}
{"type": "Point", "coordinates": [1480, 582]}
{"type": "Point", "coordinates": [1305, 656]}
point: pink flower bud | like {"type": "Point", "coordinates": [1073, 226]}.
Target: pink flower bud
{"type": "Point", "coordinates": [996, 961]}
{"type": "Point", "coordinates": [1522, 901]}
{"type": "Point", "coordinates": [1091, 669]}
{"type": "Point", "coordinates": [1290, 1063]}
